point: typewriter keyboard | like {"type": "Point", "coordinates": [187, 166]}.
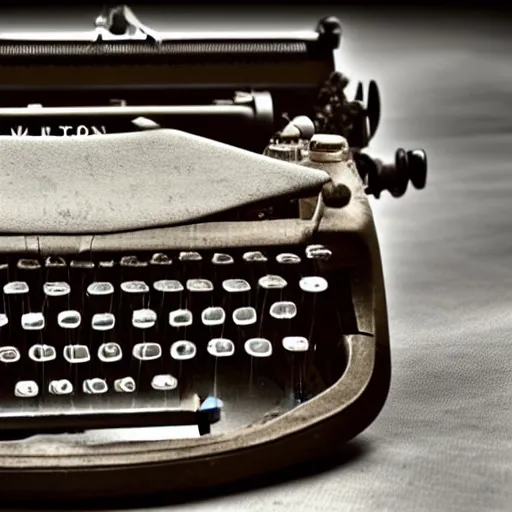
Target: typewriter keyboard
{"type": "Point", "coordinates": [154, 332]}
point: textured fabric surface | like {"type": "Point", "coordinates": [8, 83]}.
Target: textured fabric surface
{"type": "Point", "coordinates": [105, 183]}
{"type": "Point", "coordinates": [444, 439]}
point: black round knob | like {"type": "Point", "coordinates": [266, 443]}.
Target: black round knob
{"type": "Point", "coordinates": [329, 31]}
{"type": "Point", "coordinates": [397, 178]}
{"type": "Point", "coordinates": [409, 166]}
{"type": "Point", "coordinates": [336, 196]}
{"type": "Point", "coordinates": [417, 159]}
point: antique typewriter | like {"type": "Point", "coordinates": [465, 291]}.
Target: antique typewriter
{"type": "Point", "coordinates": [186, 244]}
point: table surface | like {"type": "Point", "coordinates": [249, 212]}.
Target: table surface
{"type": "Point", "coordinates": [444, 439]}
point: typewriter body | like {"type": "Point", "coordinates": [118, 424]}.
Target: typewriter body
{"type": "Point", "coordinates": [186, 240]}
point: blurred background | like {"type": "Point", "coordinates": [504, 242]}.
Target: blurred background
{"type": "Point", "coordinates": [444, 439]}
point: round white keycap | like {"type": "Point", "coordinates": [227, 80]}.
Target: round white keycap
{"type": "Point", "coordinates": [318, 252]}
{"type": "Point", "coordinates": [164, 383]}
{"type": "Point", "coordinates": [3, 319]}
{"type": "Point", "coordinates": [287, 258]}
{"type": "Point", "coordinates": [41, 353]}
{"type": "Point", "coordinates": [271, 282]}
{"type": "Point", "coordinates": [313, 284]}
{"type": "Point", "coordinates": [110, 352]}
{"type": "Point", "coordinates": [15, 288]}
{"type": "Point", "coordinates": [190, 256]}
{"type": "Point", "coordinates": [283, 310]}
{"type": "Point", "coordinates": [100, 288]}
{"type": "Point", "coordinates": [95, 386]}
{"type": "Point", "coordinates": [9, 355]}
{"type": "Point", "coordinates": [60, 387]}
{"type": "Point", "coordinates": [199, 285]}
{"type": "Point", "coordinates": [125, 385]}
{"type": "Point", "coordinates": [183, 350]}
{"type": "Point", "coordinates": [168, 286]}
{"type": "Point", "coordinates": [57, 289]}
{"type": "Point", "coordinates": [77, 354]}
{"type": "Point", "coordinates": [236, 285]}
{"type": "Point", "coordinates": [69, 319]}
{"type": "Point", "coordinates": [296, 344]}
{"type": "Point", "coordinates": [160, 258]}
{"type": "Point", "coordinates": [245, 316]}
{"type": "Point", "coordinates": [147, 351]}
{"type": "Point", "coordinates": [213, 316]}
{"type": "Point", "coordinates": [255, 256]}
{"type": "Point", "coordinates": [134, 287]}
{"type": "Point", "coordinates": [143, 318]}
{"type": "Point", "coordinates": [103, 321]}
{"type": "Point", "coordinates": [222, 259]}
{"type": "Point", "coordinates": [32, 321]}
{"type": "Point", "coordinates": [221, 347]}
{"type": "Point", "coordinates": [258, 347]}
{"type": "Point", "coordinates": [180, 318]}
{"type": "Point", "coordinates": [26, 389]}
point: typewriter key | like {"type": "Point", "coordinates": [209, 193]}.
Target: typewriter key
{"type": "Point", "coordinates": [69, 319]}
{"type": "Point", "coordinates": [283, 310]}
{"type": "Point", "coordinates": [147, 351]}
{"type": "Point", "coordinates": [77, 354]}
{"type": "Point", "coordinates": [125, 385]}
{"type": "Point", "coordinates": [222, 259]}
{"type": "Point", "coordinates": [56, 289]}
{"type": "Point", "coordinates": [3, 319]}
{"type": "Point", "coordinates": [60, 387]}
{"type": "Point", "coordinates": [213, 316]}
{"type": "Point", "coordinates": [183, 350]}
{"type": "Point", "coordinates": [236, 285]}
{"type": "Point", "coordinates": [258, 347]}
{"type": "Point", "coordinates": [245, 316]}
{"type": "Point", "coordinates": [221, 347]}
{"type": "Point", "coordinates": [160, 258]}
{"type": "Point", "coordinates": [296, 344]}
{"type": "Point", "coordinates": [164, 383]}
{"type": "Point", "coordinates": [144, 318]}
{"type": "Point", "coordinates": [95, 386]}
{"type": "Point", "coordinates": [180, 318]}
{"type": "Point", "coordinates": [32, 321]}
{"type": "Point", "coordinates": [254, 256]}
{"type": "Point", "coordinates": [110, 352]}
{"type": "Point", "coordinates": [134, 287]}
{"type": "Point", "coordinates": [190, 256]}
{"type": "Point", "coordinates": [313, 284]}
{"type": "Point", "coordinates": [199, 285]}
{"type": "Point", "coordinates": [103, 321]}
{"type": "Point", "coordinates": [168, 286]}
{"type": "Point", "coordinates": [318, 252]}
{"type": "Point", "coordinates": [9, 355]}
{"type": "Point", "coordinates": [288, 259]}
{"type": "Point", "coordinates": [272, 282]}
{"type": "Point", "coordinates": [16, 288]}
{"type": "Point", "coordinates": [100, 288]}
{"type": "Point", "coordinates": [26, 389]}
{"type": "Point", "coordinates": [42, 353]}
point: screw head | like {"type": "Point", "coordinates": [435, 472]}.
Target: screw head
{"type": "Point", "coordinates": [336, 195]}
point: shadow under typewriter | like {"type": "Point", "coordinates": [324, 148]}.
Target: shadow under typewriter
{"type": "Point", "coordinates": [226, 339]}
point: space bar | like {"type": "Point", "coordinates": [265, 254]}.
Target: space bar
{"type": "Point", "coordinates": [52, 421]}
